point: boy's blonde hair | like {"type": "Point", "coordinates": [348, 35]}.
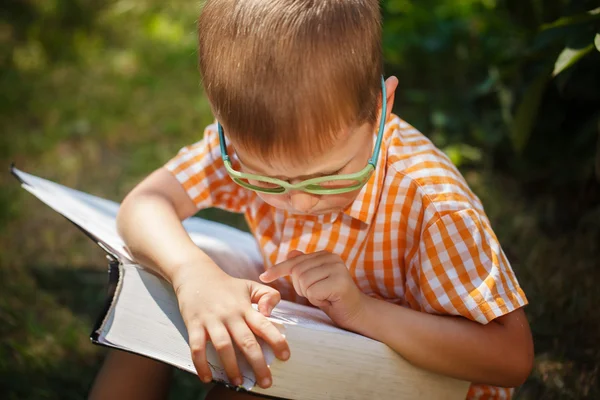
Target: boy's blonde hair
{"type": "Point", "coordinates": [286, 77]}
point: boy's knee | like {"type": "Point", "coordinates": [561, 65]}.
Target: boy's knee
{"type": "Point", "coordinates": [126, 375]}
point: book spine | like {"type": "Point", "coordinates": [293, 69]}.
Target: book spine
{"type": "Point", "coordinates": [114, 273]}
{"type": "Point", "coordinates": [13, 171]}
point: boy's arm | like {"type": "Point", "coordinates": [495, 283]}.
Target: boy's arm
{"type": "Point", "coordinates": [473, 326]}
{"type": "Point", "coordinates": [149, 221]}
{"type": "Point", "coordinates": [499, 353]}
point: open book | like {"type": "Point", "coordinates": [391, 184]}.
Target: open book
{"type": "Point", "coordinates": [142, 316]}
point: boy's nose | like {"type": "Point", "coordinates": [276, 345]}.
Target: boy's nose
{"type": "Point", "coordinates": [302, 201]}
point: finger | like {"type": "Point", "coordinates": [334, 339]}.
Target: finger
{"type": "Point", "coordinates": [301, 269]}
{"type": "Point", "coordinates": [295, 284]}
{"type": "Point", "coordinates": [282, 269]}
{"type": "Point", "coordinates": [264, 296]}
{"type": "Point", "coordinates": [294, 254]}
{"type": "Point", "coordinates": [313, 275]}
{"type": "Point", "coordinates": [223, 345]}
{"type": "Point", "coordinates": [265, 329]}
{"type": "Point", "coordinates": [285, 268]}
{"type": "Point", "coordinates": [319, 293]}
{"type": "Point", "coordinates": [247, 343]}
{"type": "Point", "coordinates": [298, 270]}
{"type": "Point", "coordinates": [316, 263]}
{"type": "Point", "coordinates": [197, 341]}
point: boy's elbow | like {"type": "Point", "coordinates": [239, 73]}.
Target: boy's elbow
{"type": "Point", "coordinates": [512, 372]}
{"type": "Point", "coordinates": [517, 355]}
{"type": "Point", "coordinates": [122, 214]}
{"type": "Point", "coordinates": [131, 209]}
{"type": "Point", "coordinates": [520, 365]}
{"type": "Point", "coordinates": [520, 371]}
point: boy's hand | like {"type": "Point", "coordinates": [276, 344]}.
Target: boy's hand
{"type": "Point", "coordinates": [218, 308]}
{"type": "Point", "coordinates": [324, 280]}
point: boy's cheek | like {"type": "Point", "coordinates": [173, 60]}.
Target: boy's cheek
{"type": "Point", "coordinates": [277, 201]}
{"type": "Point", "coordinates": [336, 202]}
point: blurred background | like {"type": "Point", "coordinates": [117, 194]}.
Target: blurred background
{"type": "Point", "coordinates": [95, 94]}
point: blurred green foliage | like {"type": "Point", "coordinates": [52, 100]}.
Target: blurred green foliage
{"type": "Point", "coordinates": [98, 93]}
{"type": "Point", "coordinates": [480, 73]}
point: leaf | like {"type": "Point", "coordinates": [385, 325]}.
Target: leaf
{"type": "Point", "coordinates": [460, 153]}
{"type": "Point", "coordinates": [597, 41]}
{"type": "Point", "coordinates": [527, 111]}
{"type": "Point", "coordinates": [569, 57]}
{"type": "Point", "coordinates": [588, 16]}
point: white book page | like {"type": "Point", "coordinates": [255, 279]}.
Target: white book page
{"type": "Point", "coordinates": [236, 252]}
{"type": "Point", "coordinates": [289, 313]}
{"type": "Point", "coordinates": [145, 319]}
{"type": "Point", "coordinates": [95, 215]}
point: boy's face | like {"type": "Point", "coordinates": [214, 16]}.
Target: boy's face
{"type": "Point", "coordinates": [349, 154]}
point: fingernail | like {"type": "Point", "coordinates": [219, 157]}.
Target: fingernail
{"type": "Point", "coordinates": [206, 379]}
{"type": "Point", "coordinates": [266, 382]}
{"type": "Point", "coordinates": [285, 355]}
{"type": "Point", "coordinates": [237, 381]}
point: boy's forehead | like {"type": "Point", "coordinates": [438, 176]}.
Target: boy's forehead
{"type": "Point", "coordinates": [282, 163]}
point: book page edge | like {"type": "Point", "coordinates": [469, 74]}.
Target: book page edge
{"type": "Point", "coordinates": [115, 280]}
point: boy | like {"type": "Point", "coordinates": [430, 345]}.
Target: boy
{"type": "Point", "coordinates": [354, 211]}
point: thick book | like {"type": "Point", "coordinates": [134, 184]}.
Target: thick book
{"type": "Point", "coordinates": [142, 316]}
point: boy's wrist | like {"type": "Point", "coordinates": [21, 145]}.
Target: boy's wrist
{"type": "Point", "coordinates": [367, 319]}
{"type": "Point", "coordinates": [195, 264]}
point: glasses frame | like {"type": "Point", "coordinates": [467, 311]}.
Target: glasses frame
{"type": "Point", "coordinates": [309, 185]}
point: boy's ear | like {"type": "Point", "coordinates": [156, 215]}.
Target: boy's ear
{"type": "Point", "coordinates": [391, 84]}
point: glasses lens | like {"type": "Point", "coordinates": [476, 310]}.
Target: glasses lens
{"type": "Point", "coordinates": [260, 186]}
{"type": "Point", "coordinates": [337, 184]}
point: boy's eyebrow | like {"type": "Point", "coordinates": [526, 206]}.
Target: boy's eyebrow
{"type": "Point", "coordinates": [302, 177]}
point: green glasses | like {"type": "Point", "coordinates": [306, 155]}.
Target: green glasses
{"type": "Point", "coordinates": [331, 184]}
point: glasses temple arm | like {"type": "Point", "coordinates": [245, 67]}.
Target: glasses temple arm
{"type": "Point", "coordinates": [224, 154]}
{"type": "Point", "coordinates": [373, 159]}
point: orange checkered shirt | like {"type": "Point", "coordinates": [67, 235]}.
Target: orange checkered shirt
{"type": "Point", "coordinates": [416, 235]}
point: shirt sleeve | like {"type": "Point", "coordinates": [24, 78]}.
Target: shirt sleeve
{"type": "Point", "coordinates": [200, 170]}
{"type": "Point", "coordinates": [462, 270]}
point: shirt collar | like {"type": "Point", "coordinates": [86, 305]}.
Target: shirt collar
{"type": "Point", "coordinates": [364, 206]}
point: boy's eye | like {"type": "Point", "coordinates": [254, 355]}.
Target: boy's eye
{"type": "Point", "coordinates": [336, 184]}
{"type": "Point", "coordinates": [334, 173]}
{"type": "Point", "coordinates": [261, 184]}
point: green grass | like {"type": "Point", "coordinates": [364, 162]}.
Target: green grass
{"type": "Point", "coordinates": [125, 103]}
{"type": "Point", "coordinates": [121, 105]}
